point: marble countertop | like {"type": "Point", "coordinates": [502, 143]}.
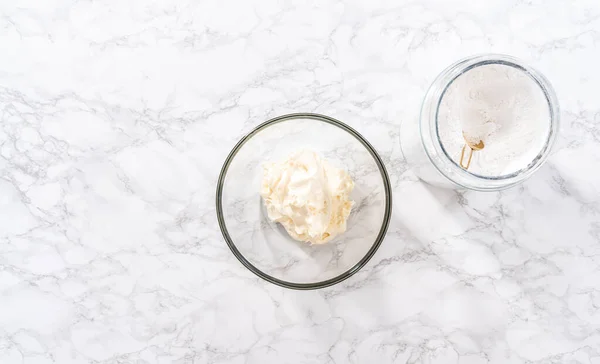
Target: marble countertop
{"type": "Point", "coordinates": [116, 118]}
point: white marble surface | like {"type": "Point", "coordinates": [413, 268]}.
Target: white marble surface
{"type": "Point", "coordinates": [116, 117]}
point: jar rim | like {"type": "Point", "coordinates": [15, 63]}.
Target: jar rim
{"type": "Point", "coordinates": [433, 146]}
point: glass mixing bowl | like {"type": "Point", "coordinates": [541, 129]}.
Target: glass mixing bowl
{"type": "Point", "coordinates": [425, 153]}
{"type": "Point", "coordinates": [264, 247]}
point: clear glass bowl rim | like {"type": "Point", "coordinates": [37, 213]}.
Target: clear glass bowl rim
{"type": "Point", "coordinates": [382, 231]}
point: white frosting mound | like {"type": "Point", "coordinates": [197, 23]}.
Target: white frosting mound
{"type": "Point", "coordinates": [308, 196]}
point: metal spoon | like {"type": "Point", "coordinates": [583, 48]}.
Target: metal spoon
{"type": "Point", "coordinates": [472, 147]}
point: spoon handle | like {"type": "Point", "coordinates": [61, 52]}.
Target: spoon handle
{"type": "Point", "coordinates": [462, 156]}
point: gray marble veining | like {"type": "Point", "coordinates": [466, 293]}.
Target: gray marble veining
{"type": "Point", "coordinates": [116, 118]}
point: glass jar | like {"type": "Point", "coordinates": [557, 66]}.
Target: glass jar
{"type": "Point", "coordinates": [422, 147]}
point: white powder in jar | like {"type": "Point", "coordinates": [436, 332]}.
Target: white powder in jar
{"type": "Point", "coordinates": [503, 107]}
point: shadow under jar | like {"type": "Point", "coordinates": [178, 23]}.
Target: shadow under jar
{"type": "Point", "coordinates": [430, 159]}
{"type": "Point", "coordinates": [264, 247]}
